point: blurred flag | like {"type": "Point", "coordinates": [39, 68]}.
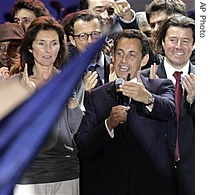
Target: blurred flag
{"type": "Point", "coordinates": [23, 132]}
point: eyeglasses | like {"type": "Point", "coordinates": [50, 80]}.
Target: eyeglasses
{"type": "Point", "coordinates": [84, 36]}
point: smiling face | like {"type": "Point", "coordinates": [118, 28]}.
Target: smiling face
{"type": "Point", "coordinates": [45, 48]}
{"type": "Point", "coordinates": [128, 58]}
{"type": "Point", "coordinates": [178, 46]}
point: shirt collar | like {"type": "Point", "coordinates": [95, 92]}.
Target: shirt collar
{"type": "Point", "coordinates": [170, 70]}
{"type": "Point", "coordinates": [100, 62]}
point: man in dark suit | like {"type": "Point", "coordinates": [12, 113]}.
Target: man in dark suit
{"type": "Point", "coordinates": [122, 138]}
{"type": "Point", "coordinates": [82, 29]}
{"type": "Point", "coordinates": [177, 39]}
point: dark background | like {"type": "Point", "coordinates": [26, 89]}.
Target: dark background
{"type": "Point", "coordinates": [137, 5]}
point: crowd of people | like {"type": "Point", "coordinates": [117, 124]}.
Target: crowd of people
{"type": "Point", "coordinates": [122, 125]}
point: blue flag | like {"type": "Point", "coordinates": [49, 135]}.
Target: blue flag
{"type": "Point", "coordinates": [23, 132]}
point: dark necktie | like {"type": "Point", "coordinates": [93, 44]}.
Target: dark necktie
{"type": "Point", "coordinates": [94, 68]}
{"type": "Point", "coordinates": [178, 100]}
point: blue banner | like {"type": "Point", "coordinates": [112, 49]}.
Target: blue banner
{"type": "Point", "coordinates": [23, 132]}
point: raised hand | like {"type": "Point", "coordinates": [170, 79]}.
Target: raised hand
{"type": "Point", "coordinates": [32, 81]}
{"type": "Point", "coordinates": [136, 90]}
{"type": "Point", "coordinates": [112, 74]}
{"type": "Point", "coordinates": [90, 80]}
{"type": "Point", "coordinates": [188, 81]}
{"type": "Point", "coordinates": [123, 9]}
{"type": "Point", "coordinates": [108, 47]}
{"type": "Point", "coordinates": [153, 71]}
{"type": "Point", "coordinates": [25, 78]}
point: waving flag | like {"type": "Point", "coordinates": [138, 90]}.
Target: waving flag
{"type": "Point", "coordinates": [23, 132]}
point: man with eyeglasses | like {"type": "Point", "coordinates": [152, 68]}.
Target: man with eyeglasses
{"type": "Point", "coordinates": [82, 30]}
{"type": "Point", "coordinates": [112, 11]}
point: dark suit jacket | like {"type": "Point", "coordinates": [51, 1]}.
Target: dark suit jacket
{"type": "Point", "coordinates": [185, 173]}
{"type": "Point", "coordinates": [81, 94]}
{"type": "Point", "coordinates": [136, 160]}
{"type": "Point", "coordinates": [107, 61]}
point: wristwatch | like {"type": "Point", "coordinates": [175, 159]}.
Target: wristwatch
{"type": "Point", "coordinates": [151, 100]}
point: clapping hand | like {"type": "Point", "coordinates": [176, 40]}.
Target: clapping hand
{"type": "Point", "coordinates": [188, 82]}
{"type": "Point", "coordinates": [153, 71]}
{"type": "Point", "coordinates": [90, 80]}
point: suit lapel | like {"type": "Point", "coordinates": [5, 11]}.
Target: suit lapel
{"type": "Point", "coordinates": [107, 62]}
{"type": "Point", "coordinates": [161, 72]}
